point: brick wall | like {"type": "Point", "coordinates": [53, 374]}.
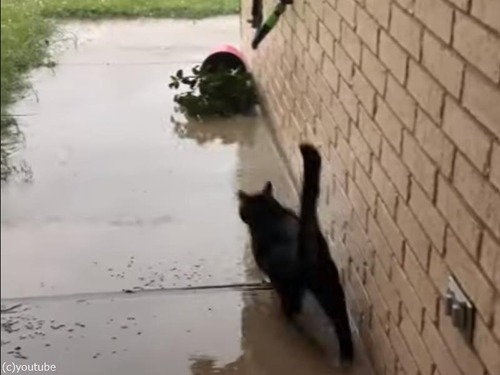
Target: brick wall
{"type": "Point", "coordinates": [403, 98]}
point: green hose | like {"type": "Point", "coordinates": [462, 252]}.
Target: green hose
{"type": "Point", "coordinates": [271, 21]}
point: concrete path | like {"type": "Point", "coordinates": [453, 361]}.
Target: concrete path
{"type": "Point", "coordinates": [123, 195]}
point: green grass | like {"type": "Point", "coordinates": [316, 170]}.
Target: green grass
{"type": "Point", "coordinates": [24, 35]}
{"type": "Point", "coordinates": [27, 26]}
{"type": "Point", "coordinates": [94, 9]}
{"type": "Point", "coordinates": [24, 46]}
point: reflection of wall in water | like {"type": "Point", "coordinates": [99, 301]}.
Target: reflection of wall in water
{"type": "Point", "coordinates": [228, 131]}
{"type": "Point", "coordinates": [268, 345]}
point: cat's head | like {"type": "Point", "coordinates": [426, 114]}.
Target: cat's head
{"type": "Point", "coordinates": [256, 205]}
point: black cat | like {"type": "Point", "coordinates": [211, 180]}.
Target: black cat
{"type": "Point", "coordinates": [293, 252]}
{"type": "Point", "coordinates": [274, 230]}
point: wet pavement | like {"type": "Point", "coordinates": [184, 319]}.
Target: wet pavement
{"type": "Point", "coordinates": [121, 196]}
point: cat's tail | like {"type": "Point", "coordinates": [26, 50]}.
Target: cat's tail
{"type": "Point", "coordinates": [310, 188]}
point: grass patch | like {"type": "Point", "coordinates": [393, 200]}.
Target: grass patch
{"type": "Point", "coordinates": [24, 46]}
{"type": "Point", "coordinates": [27, 26]}
{"type": "Point", "coordinates": [24, 38]}
{"type": "Point", "coordinates": [98, 9]}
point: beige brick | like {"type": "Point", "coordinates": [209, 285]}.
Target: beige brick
{"type": "Point", "coordinates": [365, 185]}
{"type": "Point", "coordinates": [301, 32]}
{"type": "Point", "coordinates": [438, 350]}
{"type": "Point", "coordinates": [343, 63]}
{"type": "Point", "coordinates": [360, 148]}
{"type": "Point", "coordinates": [481, 99]}
{"type": "Point", "coordinates": [480, 195]}
{"type": "Point", "coordinates": [437, 15]}
{"type": "Point", "coordinates": [299, 80]}
{"type": "Point", "coordinates": [443, 64]}
{"type": "Point", "coordinates": [389, 124]}
{"type": "Point", "coordinates": [487, 347]}
{"type": "Point", "coordinates": [408, 295]}
{"type": "Point", "coordinates": [403, 105]}
{"type": "Point", "coordinates": [420, 280]}
{"type": "Point", "coordinates": [298, 48]}
{"type": "Point", "coordinates": [495, 166]}
{"type": "Point", "coordinates": [351, 43]}
{"type": "Point", "coordinates": [317, 7]}
{"type": "Point", "coordinates": [332, 20]}
{"type": "Point", "coordinates": [339, 169]}
{"type": "Point", "coordinates": [466, 359]}
{"type": "Point", "coordinates": [434, 142]}
{"type": "Point", "coordinates": [380, 9]}
{"type": "Point", "coordinates": [309, 109]}
{"type": "Point", "coordinates": [390, 231]}
{"type": "Point", "coordinates": [346, 154]}
{"type": "Point", "coordinates": [373, 69]}
{"type": "Point", "coordinates": [478, 45]}
{"type": "Point", "coordinates": [403, 352]}
{"type": "Point", "coordinates": [340, 116]}
{"type": "Point", "coordinates": [438, 272]}
{"type": "Point", "coordinates": [428, 216]}
{"type": "Point", "coordinates": [326, 40]}
{"type": "Point", "coordinates": [490, 258]}
{"type": "Point", "coordinates": [458, 216]}
{"type": "Point", "coordinates": [348, 100]}
{"type": "Point", "coordinates": [496, 319]}
{"type": "Point", "coordinates": [382, 249]}
{"type": "Point", "coordinates": [462, 4]}
{"type": "Point", "coordinates": [406, 31]}
{"type": "Point", "coordinates": [413, 233]}
{"type": "Point", "coordinates": [323, 88]}
{"type": "Point", "coordinates": [298, 8]}
{"type": "Point", "coordinates": [470, 277]}
{"type": "Point", "coordinates": [393, 56]}
{"type": "Point", "coordinates": [311, 21]}
{"type": "Point", "coordinates": [384, 186]}
{"type": "Point", "coordinates": [379, 305]}
{"type": "Point", "coordinates": [371, 132]}
{"type": "Point", "coordinates": [425, 89]}
{"type": "Point", "coordinates": [408, 5]}
{"type": "Point", "coordinates": [487, 11]}
{"type": "Point", "coordinates": [416, 345]}
{"type": "Point", "coordinates": [385, 355]}
{"type": "Point", "coordinates": [420, 165]}
{"type": "Point", "coordinates": [364, 91]}
{"type": "Point", "coordinates": [347, 9]}
{"type": "Point", "coordinates": [466, 133]}
{"type": "Point", "coordinates": [388, 290]}
{"type": "Point", "coordinates": [367, 28]}
{"type": "Point", "coordinates": [331, 74]}
{"type": "Point", "coordinates": [360, 207]}
{"type": "Point", "coordinates": [313, 95]}
{"type": "Point", "coordinates": [315, 54]}
{"type": "Point", "coordinates": [395, 169]}
{"type": "Point", "coordinates": [328, 122]}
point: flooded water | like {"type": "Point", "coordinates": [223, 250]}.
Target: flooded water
{"type": "Point", "coordinates": [123, 193]}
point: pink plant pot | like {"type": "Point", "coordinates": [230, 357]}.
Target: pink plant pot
{"type": "Point", "coordinates": [225, 57]}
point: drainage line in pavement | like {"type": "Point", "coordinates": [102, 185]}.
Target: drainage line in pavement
{"type": "Point", "coordinates": [85, 296]}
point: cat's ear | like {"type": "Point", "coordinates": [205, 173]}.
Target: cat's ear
{"type": "Point", "coordinates": [242, 196]}
{"type": "Point", "coordinates": [268, 189]}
